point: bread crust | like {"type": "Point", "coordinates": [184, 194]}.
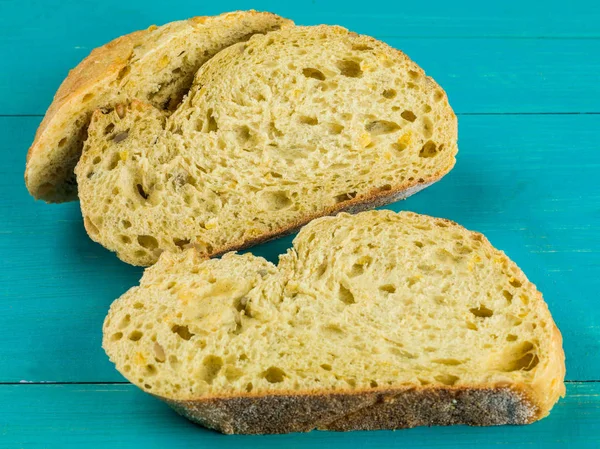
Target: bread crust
{"type": "Point", "coordinates": [398, 408]}
{"type": "Point", "coordinates": [376, 198]}
{"type": "Point", "coordinates": [101, 66]}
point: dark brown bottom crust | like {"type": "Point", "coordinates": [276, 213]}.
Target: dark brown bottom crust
{"type": "Point", "coordinates": [368, 410]}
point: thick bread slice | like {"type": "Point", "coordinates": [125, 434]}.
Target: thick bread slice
{"type": "Point", "coordinates": [297, 124]}
{"type": "Point", "coordinates": [156, 65]}
{"type": "Point", "coordinates": [372, 321]}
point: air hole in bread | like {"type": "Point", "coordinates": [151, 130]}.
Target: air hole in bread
{"type": "Point", "coordinates": [349, 68]}
{"type": "Point", "coordinates": [182, 331]}
{"type": "Point", "coordinates": [116, 336]}
{"type": "Point", "coordinates": [386, 187]}
{"type": "Point", "coordinates": [414, 75]}
{"type": "Point", "coordinates": [125, 321]}
{"type": "Point", "coordinates": [147, 241]}
{"type": "Point", "coordinates": [135, 335]}
{"type": "Point", "coordinates": [426, 109]}
{"type": "Point", "coordinates": [212, 122]}
{"type": "Point", "coordinates": [379, 127]}
{"type": "Point", "coordinates": [232, 373]}
{"type": "Point", "coordinates": [90, 227]}
{"type": "Point", "coordinates": [326, 366]}
{"type": "Point", "coordinates": [243, 134]}
{"type": "Point", "coordinates": [449, 362]}
{"type": "Point", "coordinates": [388, 288]}
{"type": "Point", "coordinates": [408, 115]}
{"type": "Point", "coordinates": [159, 353]}
{"type": "Point", "coordinates": [472, 326]}
{"type": "Point", "coordinates": [125, 239]}
{"type": "Point", "coordinates": [96, 160]}
{"type": "Point", "coordinates": [87, 97]}
{"type": "Point", "coordinates": [344, 197]}
{"type": "Point", "coordinates": [356, 270]}
{"type": "Point", "coordinates": [481, 311]}
{"type": "Point", "coordinates": [249, 387]}
{"type": "Point", "coordinates": [274, 375]}
{"type": "Point", "coordinates": [278, 200]}
{"type": "Point", "coordinates": [141, 191]}
{"type": "Point", "coordinates": [427, 127]}
{"type": "Point", "coordinates": [438, 96]}
{"type": "Point", "coordinates": [508, 295]}
{"type": "Point", "coordinates": [401, 353]}
{"type": "Point", "coordinates": [462, 249]}
{"type": "Point", "coordinates": [321, 269]}
{"type": "Point", "coordinates": [306, 120]}
{"type": "Point", "coordinates": [428, 150]}
{"type": "Point", "coordinates": [361, 47]}
{"type": "Point", "coordinates": [514, 282]}
{"type": "Point", "coordinates": [389, 93]}
{"type": "Point", "coordinates": [212, 366]}
{"type": "Point", "coordinates": [334, 128]}
{"type": "Point", "coordinates": [150, 370]}
{"type": "Point", "coordinates": [511, 337]}
{"type": "Point", "coordinates": [62, 142]}
{"type": "Point", "coordinates": [333, 330]}
{"type": "Point", "coordinates": [418, 244]}
{"type": "Point", "coordinates": [123, 73]}
{"type": "Point", "coordinates": [181, 243]}
{"type": "Point", "coordinates": [447, 379]}
{"type": "Point", "coordinates": [345, 295]}
{"type": "Point", "coordinates": [520, 357]}
{"type": "Point", "coordinates": [310, 72]}
{"type": "Point", "coordinates": [412, 280]}
{"type": "Point", "coordinates": [174, 362]}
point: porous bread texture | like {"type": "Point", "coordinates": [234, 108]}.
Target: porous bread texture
{"type": "Point", "coordinates": [289, 126]}
{"type": "Point", "coordinates": [156, 65]}
{"type": "Point", "coordinates": [401, 304]}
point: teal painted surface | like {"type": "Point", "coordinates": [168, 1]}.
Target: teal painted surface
{"type": "Point", "coordinates": [526, 176]}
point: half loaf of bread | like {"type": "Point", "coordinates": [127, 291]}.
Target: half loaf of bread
{"type": "Point", "coordinates": [371, 321]}
{"type": "Point", "coordinates": [156, 65]}
{"type": "Point", "coordinates": [289, 126]}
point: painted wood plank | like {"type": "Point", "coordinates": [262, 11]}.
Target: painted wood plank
{"type": "Point", "coordinates": [511, 18]}
{"type": "Point", "coordinates": [528, 182]}
{"type": "Point", "coordinates": [480, 75]}
{"type": "Point", "coordinates": [121, 416]}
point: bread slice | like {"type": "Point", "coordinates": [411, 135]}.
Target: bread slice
{"type": "Point", "coordinates": [297, 124]}
{"type": "Point", "coordinates": [156, 65]}
{"type": "Point", "coordinates": [372, 321]}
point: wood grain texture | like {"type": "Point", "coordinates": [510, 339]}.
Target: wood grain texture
{"type": "Point", "coordinates": [479, 75]}
{"type": "Point", "coordinates": [121, 416]}
{"type": "Point", "coordinates": [513, 182]}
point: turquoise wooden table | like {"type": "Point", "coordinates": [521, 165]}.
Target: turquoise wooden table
{"type": "Point", "coordinates": [523, 77]}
